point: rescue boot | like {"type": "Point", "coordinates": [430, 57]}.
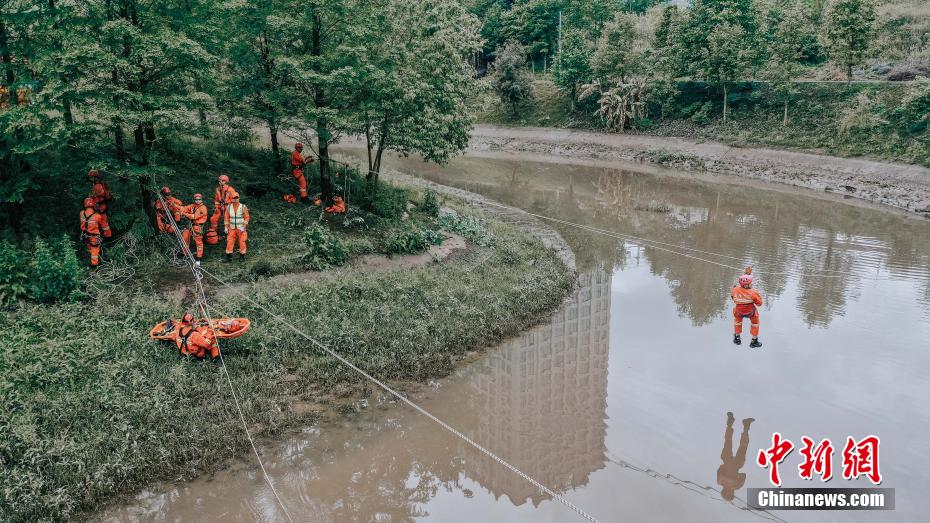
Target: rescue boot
{"type": "Point", "coordinates": [228, 258]}
{"type": "Point", "coordinates": [241, 257]}
{"type": "Point", "coordinates": [755, 343]}
{"type": "Point", "coordinates": [737, 340]}
{"type": "Point", "coordinates": [218, 361]}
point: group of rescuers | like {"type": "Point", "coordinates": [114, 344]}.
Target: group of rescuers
{"type": "Point", "coordinates": [169, 211]}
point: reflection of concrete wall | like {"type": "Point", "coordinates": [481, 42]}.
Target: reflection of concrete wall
{"type": "Point", "coordinates": [543, 397]}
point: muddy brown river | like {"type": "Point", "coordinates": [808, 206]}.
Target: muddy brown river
{"type": "Point", "coordinates": [620, 402]}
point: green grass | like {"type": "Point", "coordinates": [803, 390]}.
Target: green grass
{"type": "Point", "coordinates": [92, 410]}
{"type": "Point", "coordinates": [755, 119]}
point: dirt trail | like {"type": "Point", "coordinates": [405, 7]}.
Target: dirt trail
{"type": "Point", "coordinates": [898, 185]}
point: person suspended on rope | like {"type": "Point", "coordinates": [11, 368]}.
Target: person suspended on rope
{"type": "Point", "coordinates": [297, 164]}
{"type": "Point", "coordinates": [197, 214]}
{"type": "Point", "coordinates": [221, 199]}
{"type": "Point", "coordinates": [729, 476]}
{"type": "Point", "coordinates": [196, 340]}
{"type": "Point", "coordinates": [236, 222]}
{"type": "Point", "coordinates": [94, 228]}
{"type": "Point", "coordinates": [174, 208]}
{"type": "Point", "coordinates": [746, 305]}
{"type": "Point", "coordinates": [99, 191]}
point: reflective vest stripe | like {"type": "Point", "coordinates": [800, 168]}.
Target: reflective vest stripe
{"type": "Point", "coordinates": [236, 218]}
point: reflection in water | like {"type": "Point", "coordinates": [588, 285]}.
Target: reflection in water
{"type": "Point", "coordinates": [539, 401]}
{"type": "Point", "coordinates": [729, 476]}
{"type": "Point", "coordinates": [542, 399]}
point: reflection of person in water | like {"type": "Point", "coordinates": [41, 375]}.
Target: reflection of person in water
{"type": "Point", "coordinates": [728, 475]}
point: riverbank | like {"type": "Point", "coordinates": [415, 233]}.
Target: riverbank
{"type": "Point", "coordinates": [92, 413]}
{"type": "Point", "coordinates": [906, 187]}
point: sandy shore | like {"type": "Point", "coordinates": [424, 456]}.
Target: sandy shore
{"type": "Point", "coordinates": [898, 185]}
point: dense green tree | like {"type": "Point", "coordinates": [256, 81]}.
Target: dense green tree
{"type": "Point", "coordinates": [510, 79]}
{"type": "Point", "coordinates": [849, 31]}
{"type": "Point", "coordinates": [418, 82]}
{"type": "Point", "coordinates": [725, 59]}
{"type": "Point", "coordinates": [615, 57]}
{"type": "Point", "coordinates": [573, 63]}
{"type": "Point", "coordinates": [787, 28]}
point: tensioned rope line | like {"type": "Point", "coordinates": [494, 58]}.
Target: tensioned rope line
{"type": "Point", "coordinates": [202, 304]}
{"type": "Point", "coordinates": [407, 401]}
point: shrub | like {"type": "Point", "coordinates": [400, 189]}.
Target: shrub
{"type": "Point", "coordinates": [468, 226]}
{"type": "Point", "coordinates": [323, 249]}
{"type": "Point", "coordinates": [430, 204]}
{"type": "Point", "coordinates": [14, 273]}
{"type": "Point", "coordinates": [55, 272]}
{"type": "Point", "coordinates": [703, 114]}
{"type": "Point", "coordinates": [412, 241]}
{"type": "Point", "coordinates": [389, 202]}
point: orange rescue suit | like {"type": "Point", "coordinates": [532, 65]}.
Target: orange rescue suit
{"type": "Point", "coordinates": [222, 197]}
{"type": "Point", "coordinates": [236, 221]}
{"type": "Point", "coordinates": [100, 192]}
{"type": "Point", "coordinates": [93, 226]}
{"type": "Point", "coordinates": [196, 341]}
{"type": "Point", "coordinates": [197, 214]}
{"type": "Point", "coordinates": [297, 163]}
{"type": "Point", "coordinates": [747, 302]}
{"type": "Point", "coordinates": [161, 215]}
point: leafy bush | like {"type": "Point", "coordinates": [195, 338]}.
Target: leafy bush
{"type": "Point", "coordinates": [55, 272]}
{"type": "Point", "coordinates": [412, 241]}
{"type": "Point", "coordinates": [14, 272]}
{"type": "Point", "coordinates": [430, 204]}
{"type": "Point", "coordinates": [389, 202]}
{"type": "Point", "coordinates": [703, 114]}
{"type": "Point", "coordinates": [323, 249]}
{"type": "Point", "coordinates": [468, 226]}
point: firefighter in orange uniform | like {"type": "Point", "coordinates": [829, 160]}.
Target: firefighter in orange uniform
{"type": "Point", "coordinates": [297, 164]}
{"type": "Point", "coordinates": [747, 302]}
{"type": "Point", "coordinates": [196, 341]}
{"type": "Point", "coordinates": [221, 200]}
{"type": "Point", "coordinates": [94, 228]}
{"type": "Point", "coordinates": [100, 191]}
{"type": "Point", "coordinates": [174, 208]}
{"type": "Point", "coordinates": [197, 214]}
{"type": "Point", "coordinates": [236, 222]}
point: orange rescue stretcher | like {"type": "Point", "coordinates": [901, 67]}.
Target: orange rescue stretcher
{"type": "Point", "coordinates": [226, 328]}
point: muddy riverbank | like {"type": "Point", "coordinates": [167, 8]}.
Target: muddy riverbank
{"type": "Point", "coordinates": [906, 187]}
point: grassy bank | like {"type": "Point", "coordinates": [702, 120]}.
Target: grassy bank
{"type": "Point", "coordinates": [837, 119]}
{"type": "Point", "coordinates": [92, 410]}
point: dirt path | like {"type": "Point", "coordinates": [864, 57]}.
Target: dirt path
{"type": "Point", "coordinates": [898, 185]}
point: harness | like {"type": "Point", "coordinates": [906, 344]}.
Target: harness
{"type": "Point", "coordinates": [87, 221]}
{"type": "Point", "coordinates": [184, 337]}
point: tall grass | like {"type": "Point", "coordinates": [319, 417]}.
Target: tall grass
{"type": "Point", "coordinates": [92, 410]}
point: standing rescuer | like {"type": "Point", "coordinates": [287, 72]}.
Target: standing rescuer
{"type": "Point", "coordinates": [99, 191]}
{"type": "Point", "coordinates": [197, 214]}
{"type": "Point", "coordinates": [297, 164]}
{"type": "Point", "coordinates": [196, 341]}
{"type": "Point", "coordinates": [94, 228]}
{"type": "Point", "coordinates": [747, 302]}
{"type": "Point", "coordinates": [161, 212]}
{"type": "Point", "coordinates": [236, 221]}
{"type": "Point", "coordinates": [221, 199]}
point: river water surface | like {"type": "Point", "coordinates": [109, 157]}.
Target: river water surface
{"type": "Point", "coordinates": [620, 402]}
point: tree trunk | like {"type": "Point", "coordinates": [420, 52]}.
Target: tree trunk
{"type": "Point", "coordinates": [319, 100]}
{"type": "Point", "coordinates": [724, 102]}
{"type": "Point", "coordinates": [275, 146]}
{"type": "Point", "coordinates": [849, 73]}
{"type": "Point", "coordinates": [784, 121]}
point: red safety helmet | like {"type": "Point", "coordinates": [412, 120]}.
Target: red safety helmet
{"type": "Point", "coordinates": [93, 173]}
{"type": "Point", "coordinates": [299, 146]}
{"type": "Point", "coordinates": [224, 178]}
{"type": "Point", "coordinates": [234, 196]}
{"type": "Point", "coordinates": [198, 196]}
{"type": "Point", "coordinates": [89, 202]}
{"type": "Point", "coordinates": [187, 318]}
{"type": "Point", "coordinates": [745, 280]}
{"type": "Point", "coordinates": [165, 190]}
